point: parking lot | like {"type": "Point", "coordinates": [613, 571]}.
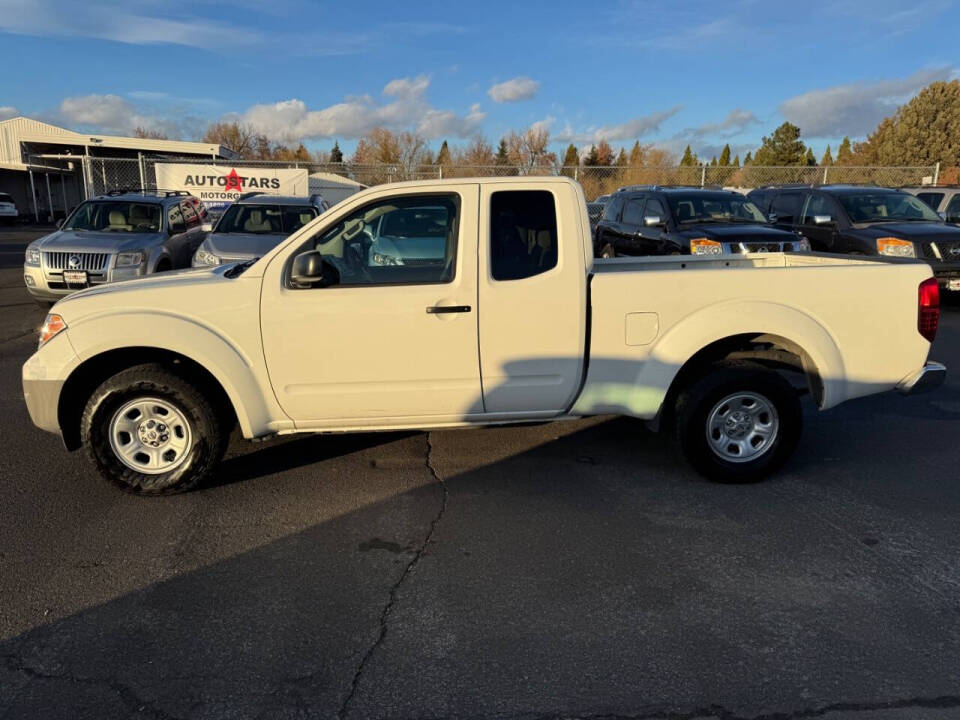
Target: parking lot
{"type": "Point", "coordinates": [567, 570]}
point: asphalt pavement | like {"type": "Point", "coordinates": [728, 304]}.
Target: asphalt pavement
{"type": "Point", "coordinates": [573, 570]}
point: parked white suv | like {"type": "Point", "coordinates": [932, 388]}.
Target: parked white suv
{"type": "Point", "coordinates": [472, 302]}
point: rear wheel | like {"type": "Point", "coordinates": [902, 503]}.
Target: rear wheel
{"type": "Point", "coordinates": [738, 424]}
{"type": "Point", "coordinates": [152, 432]}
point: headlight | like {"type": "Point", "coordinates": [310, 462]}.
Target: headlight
{"type": "Point", "coordinates": [895, 247]}
{"type": "Point", "coordinates": [703, 246]}
{"type": "Point", "coordinates": [802, 245]}
{"type": "Point", "coordinates": [32, 257]}
{"type": "Point", "coordinates": [383, 259]}
{"type": "Point", "coordinates": [52, 325]}
{"type": "Point", "coordinates": [129, 259]}
{"type": "Point", "coordinates": [202, 257]}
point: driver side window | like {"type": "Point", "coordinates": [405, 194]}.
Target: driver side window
{"type": "Point", "coordinates": [405, 240]}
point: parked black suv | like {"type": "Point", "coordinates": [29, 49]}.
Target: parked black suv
{"type": "Point", "coordinates": [658, 220]}
{"type": "Point", "coordinates": [863, 220]}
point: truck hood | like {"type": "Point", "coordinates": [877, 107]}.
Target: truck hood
{"type": "Point", "coordinates": [915, 231]}
{"type": "Point", "coordinates": [86, 240]}
{"type": "Point", "coordinates": [122, 292]}
{"type": "Point", "coordinates": [737, 232]}
{"type": "Point", "coordinates": [233, 245]}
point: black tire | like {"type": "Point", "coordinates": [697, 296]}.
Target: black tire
{"type": "Point", "coordinates": [209, 433]}
{"type": "Point", "coordinates": [695, 404]}
{"type": "Point", "coordinates": [607, 251]}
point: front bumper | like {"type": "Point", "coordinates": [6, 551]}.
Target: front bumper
{"type": "Point", "coordinates": [929, 377]}
{"type": "Point", "coordinates": [44, 284]}
{"type": "Point", "coordinates": [43, 377]}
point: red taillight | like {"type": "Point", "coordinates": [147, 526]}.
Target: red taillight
{"type": "Point", "coordinates": [928, 316]}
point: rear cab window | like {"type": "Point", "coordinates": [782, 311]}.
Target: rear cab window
{"type": "Point", "coordinates": [523, 233]}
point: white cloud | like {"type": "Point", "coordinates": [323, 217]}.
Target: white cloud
{"type": "Point", "coordinates": [629, 130]}
{"type": "Point", "coordinates": [8, 111]}
{"type": "Point", "coordinates": [514, 90]}
{"type": "Point", "coordinates": [737, 121]}
{"type": "Point", "coordinates": [115, 115]}
{"type": "Point", "coordinates": [407, 109]}
{"type": "Point", "coordinates": [134, 23]}
{"type": "Point", "coordinates": [856, 108]}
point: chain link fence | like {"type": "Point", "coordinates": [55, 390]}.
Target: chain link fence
{"type": "Point", "coordinates": [96, 176]}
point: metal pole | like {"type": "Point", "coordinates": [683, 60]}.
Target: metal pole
{"type": "Point", "coordinates": [33, 197]}
{"type": "Point", "coordinates": [49, 198]}
{"type": "Point", "coordinates": [84, 169]}
{"type": "Point", "coordinates": [63, 190]}
{"type": "Point", "coordinates": [143, 182]}
{"type": "Point", "coordinates": [825, 168]}
{"type": "Point", "coordinates": [576, 172]}
{"type": "Point", "coordinates": [936, 173]}
{"type": "Point", "coordinates": [440, 171]}
{"type": "Point", "coordinates": [703, 176]}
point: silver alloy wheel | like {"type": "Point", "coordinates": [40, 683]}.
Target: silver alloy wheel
{"type": "Point", "coordinates": [742, 427]}
{"type": "Point", "coordinates": [150, 435]}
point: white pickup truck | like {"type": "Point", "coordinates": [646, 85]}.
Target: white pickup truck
{"type": "Point", "coordinates": [471, 302]}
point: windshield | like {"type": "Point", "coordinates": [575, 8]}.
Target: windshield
{"type": "Point", "coordinates": [265, 219]}
{"type": "Point", "coordinates": [116, 216]}
{"type": "Point", "coordinates": [713, 207]}
{"type": "Point", "coordinates": [885, 207]}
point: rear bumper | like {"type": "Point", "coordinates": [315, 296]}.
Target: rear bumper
{"type": "Point", "coordinates": [929, 377]}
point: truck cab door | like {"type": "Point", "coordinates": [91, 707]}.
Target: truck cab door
{"type": "Point", "coordinates": [532, 287]}
{"type": "Point", "coordinates": [388, 334]}
{"type": "Point", "coordinates": [818, 222]}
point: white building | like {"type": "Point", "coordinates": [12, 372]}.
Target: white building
{"type": "Point", "coordinates": [43, 166]}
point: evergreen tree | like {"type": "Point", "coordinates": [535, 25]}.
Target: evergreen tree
{"type": "Point", "coordinates": [783, 148]}
{"type": "Point", "coordinates": [845, 152]}
{"type": "Point", "coordinates": [748, 158]}
{"type": "Point", "coordinates": [592, 159]}
{"type": "Point", "coordinates": [713, 161]}
{"type": "Point", "coordinates": [336, 155]}
{"type": "Point", "coordinates": [811, 159]}
{"type": "Point", "coordinates": [571, 159]}
{"type": "Point", "coordinates": [636, 155]}
{"type": "Point", "coordinates": [621, 160]}
{"type": "Point", "coordinates": [688, 159]}
{"type": "Point", "coordinates": [503, 155]}
{"type": "Point", "coordinates": [924, 131]}
{"type": "Point", "coordinates": [827, 158]}
{"type": "Point", "coordinates": [725, 156]}
{"type": "Point", "coordinates": [736, 161]}
{"type": "Point", "coordinates": [443, 157]}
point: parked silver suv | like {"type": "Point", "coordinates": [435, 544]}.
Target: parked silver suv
{"type": "Point", "coordinates": [118, 236]}
{"type": "Point", "coordinates": [254, 224]}
{"type": "Point", "coordinates": [945, 199]}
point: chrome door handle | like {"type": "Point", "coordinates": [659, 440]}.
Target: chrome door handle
{"type": "Point", "coordinates": [438, 309]}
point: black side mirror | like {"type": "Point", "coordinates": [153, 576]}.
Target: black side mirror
{"type": "Point", "coordinates": [312, 269]}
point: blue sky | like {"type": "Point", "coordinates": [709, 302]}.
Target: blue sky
{"type": "Point", "coordinates": [661, 71]}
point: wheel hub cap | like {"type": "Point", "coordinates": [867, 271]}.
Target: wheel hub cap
{"type": "Point", "coordinates": [150, 435]}
{"type": "Point", "coordinates": [742, 427]}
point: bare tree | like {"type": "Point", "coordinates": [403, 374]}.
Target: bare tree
{"type": "Point", "coordinates": [240, 138]}
{"type": "Point", "coordinates": [529, 149]}
{"type": "Point", "coordinates": [149, 134]}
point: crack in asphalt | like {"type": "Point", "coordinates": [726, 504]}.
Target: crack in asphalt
{"type": "Point", "coordinates": [124, 692]}
{"type": "Point", "coordinates": [394, 591]}
{"type": "Point", "coordinates": [942, 702]}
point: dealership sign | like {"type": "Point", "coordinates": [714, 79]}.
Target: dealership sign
{"type": "Point", "coordinates": [220, 185]}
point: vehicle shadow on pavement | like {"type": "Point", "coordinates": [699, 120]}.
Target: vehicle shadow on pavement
{"type": "Point", "coordinates": [571, 574]}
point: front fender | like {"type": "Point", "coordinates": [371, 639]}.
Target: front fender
{"type": "Point", "coordinates": [241, 375]}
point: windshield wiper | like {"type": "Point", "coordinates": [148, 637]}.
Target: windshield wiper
{"type": "Point", "coordinates": [239, 268]}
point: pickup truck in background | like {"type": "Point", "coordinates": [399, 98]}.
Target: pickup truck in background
{"type": "Point", "coordinates": [862, 220]}
{"type": "Point", "coordinates": [485, 306]}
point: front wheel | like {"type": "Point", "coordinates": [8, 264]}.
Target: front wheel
{"type": "Point", "coordinates": [152, 432]}
{"type": "Point", "coordinates": [738, 424]}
